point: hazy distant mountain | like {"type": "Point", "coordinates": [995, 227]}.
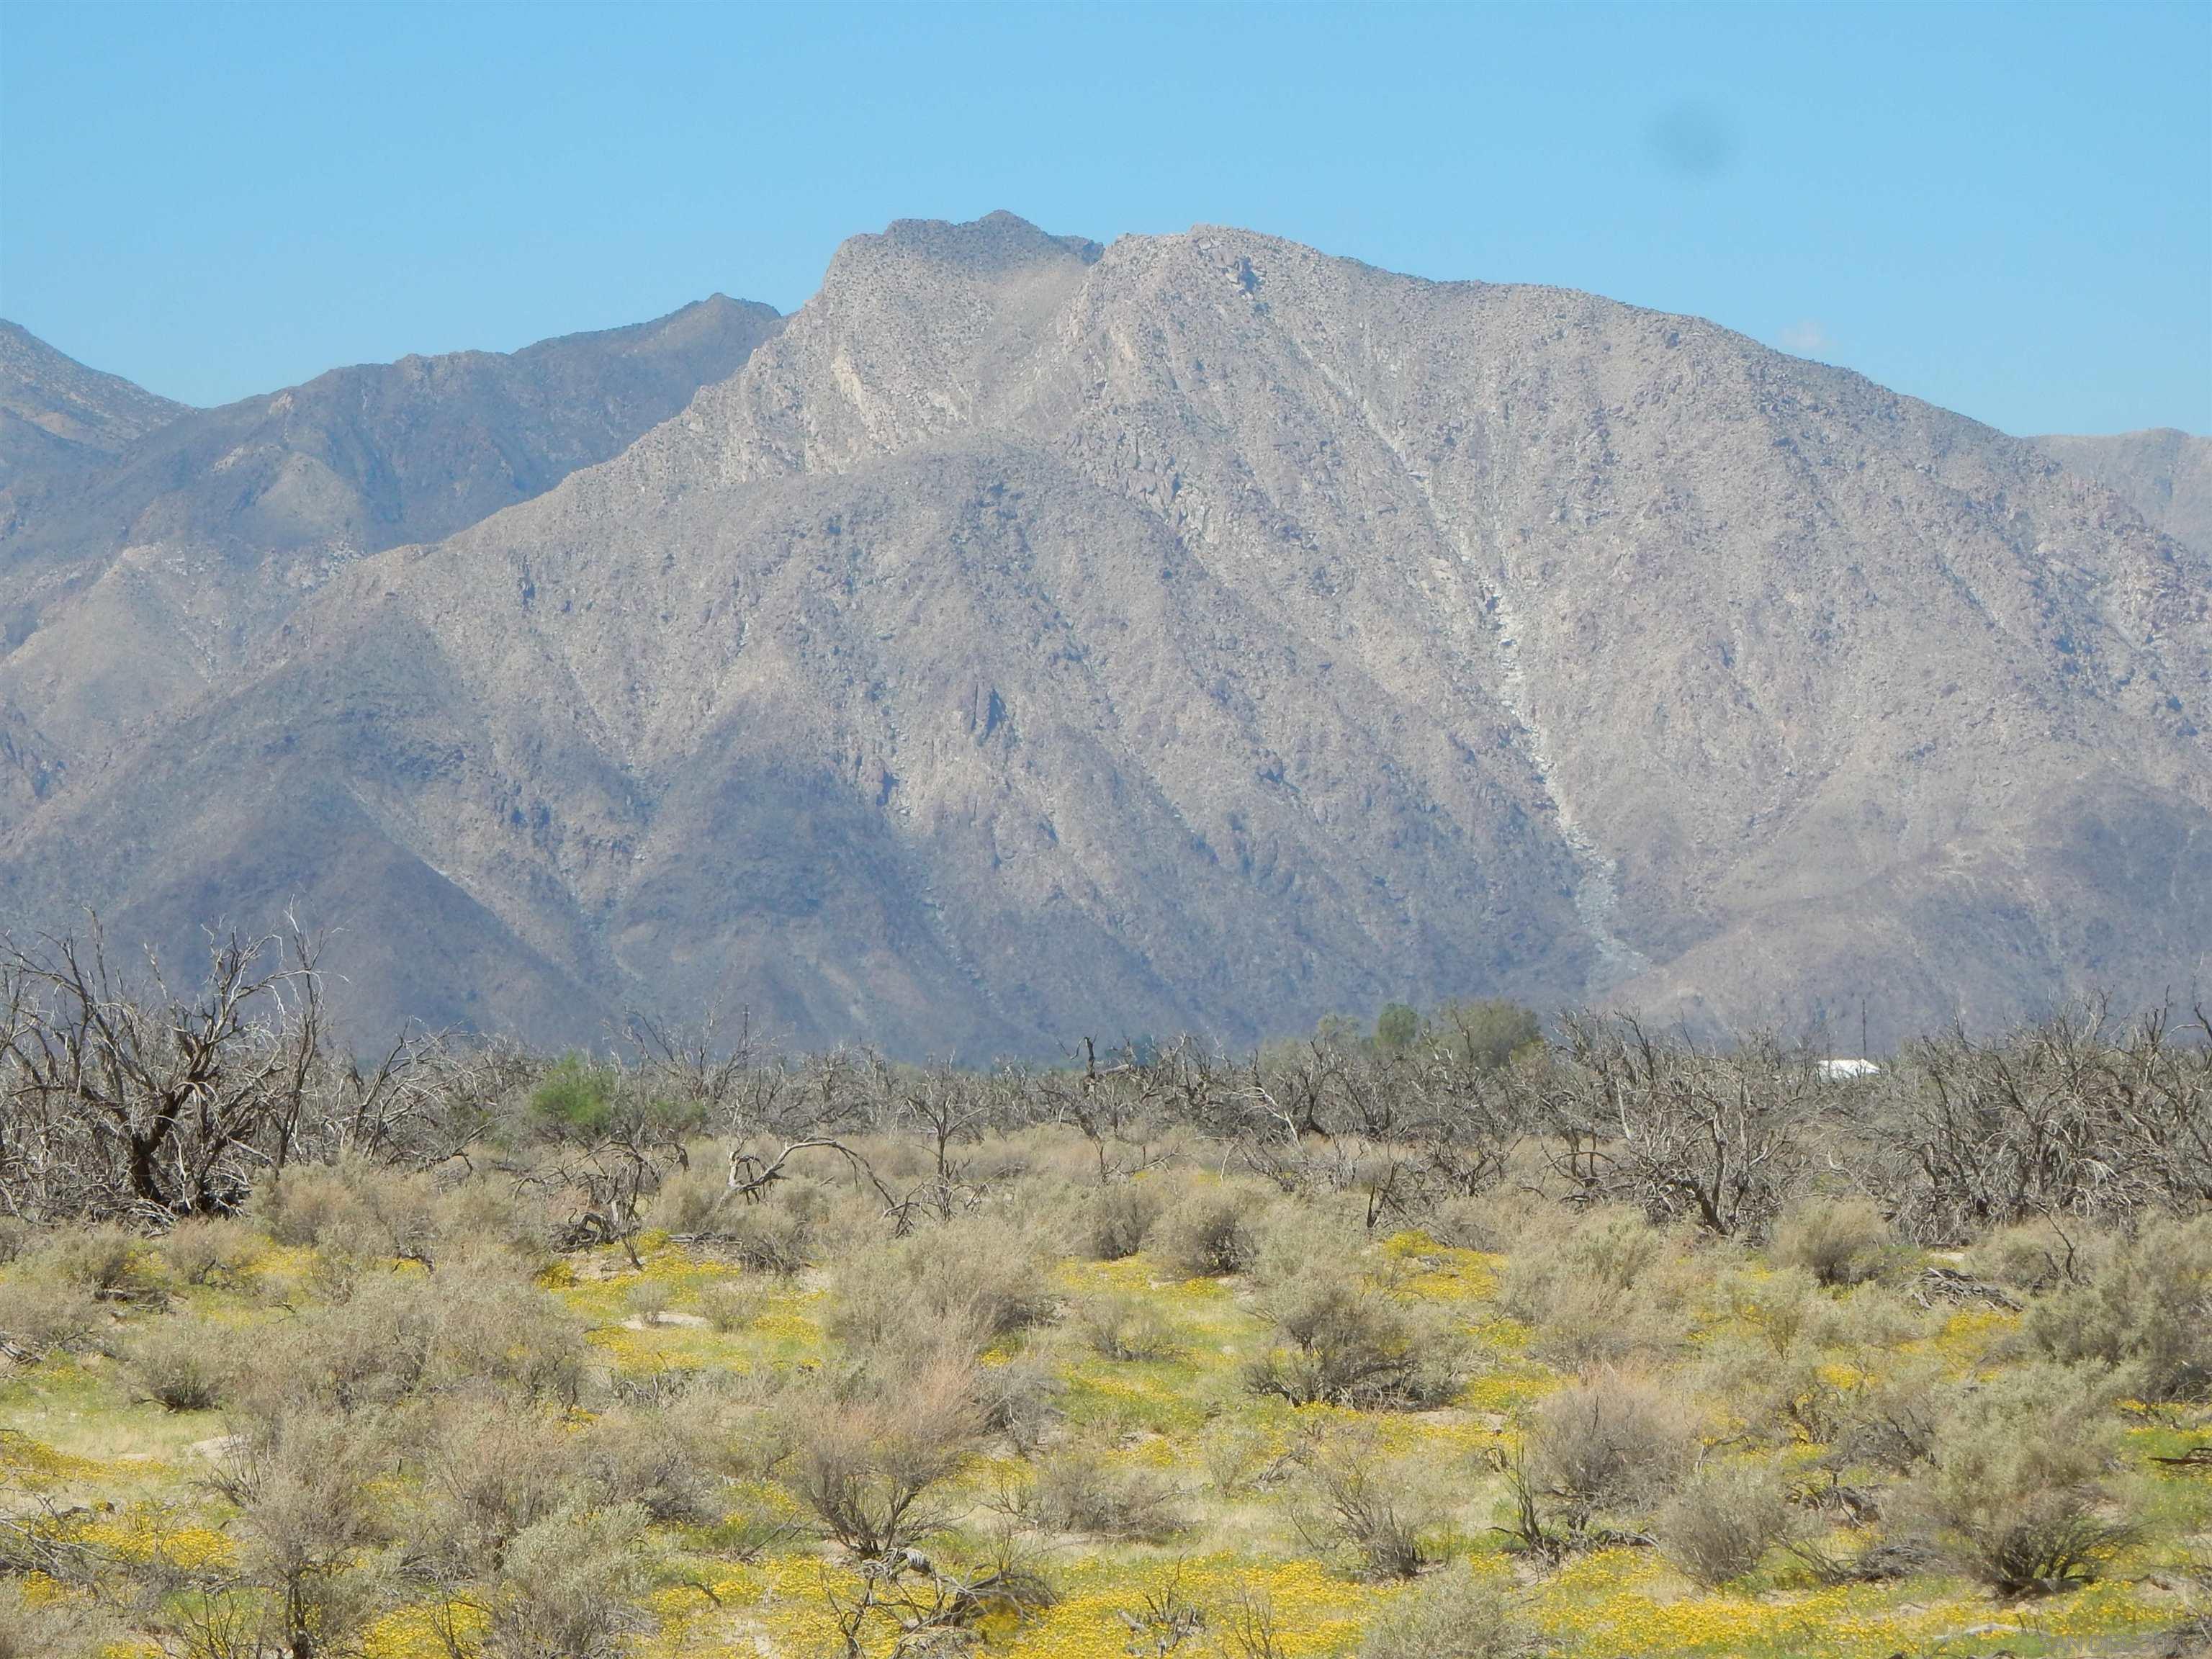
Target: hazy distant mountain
{"type": "Point", "coordinates": [53, 408]}
{"type": "Point", "coordinates": [142, 580]}
{"type": "Point", "coordinates": [1032, 639]}
{"type": "Point", "coordinates": [2165, 475]}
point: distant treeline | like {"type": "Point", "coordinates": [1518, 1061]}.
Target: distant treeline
{"type": "Point", "coordinates": [123, 1095]}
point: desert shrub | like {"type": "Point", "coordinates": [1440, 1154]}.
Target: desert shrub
{"type": "Point", "coordinates": [568, 1588]}
{"type": "Point", "coordinates": [1117, 1219]}
{"type": "Point", "coordinates": [1341, 1342]}
{"type": "Point", "coordinates": [1491, 1222]}
{"type": "Point", "coordinates": [2017, 1495]}
{"type": "Point", "coordinates": [1019, 1398]}
{"type": "Point", "coordinates": [978, 1276]}
{"type": "Point", "coordinates": [647, 1299]}
{"type": "Point", "coordinates": [209, 1250]}
{"type": "Point", "coordinates": [1598, 1288]}
{"type": "Point", "coordinates": [693, 1203]}
{"type": "Point", "coordinates": [17, 1235]}
{"type": "Point", "coordinates": [41, 1314]}
{"type": "Point", "coordinates": [868, 1460]}
{"type": "Point", "coordinates": [1608, 1444]}
{"type": "Point", "coordinates": [1080, 1487]}
{"type": "Point", "coordinates": [2147, 1306]}
{"type": "Point", "coordinates": [489, 1329]}
{"type": "Point", "coordinates": [477, 1222]}
{"type": "Point", "coordinates": [308, 1522]}
{"type": "Point", "coordinates": [492, 1467]}
{"type": "Point", "coordinates": [370, 1349]}
{"type": "Point", "coordinates": [1894, 1420]}
{"type": "Point", "coordinates": [1126, 1327]}
{"type": "Point", "coordinates": [48, 1627]}
{"type": "Point", "coordinates": [2029, 1256]}
{"type": "Point", "coordinates": [1839, 1241]}
{"type": "Point", "coordinates": [1209, 1232]}
{"type": "Point", "coordinates": [1354, 1501]}
{"type": "Point", "coordinates": [1783, 1310]}
{"type": "Point", "coordinates": [661, 1460]}
{"type": "Point", "coordinates": [1452, 1614]}
{"type": "Point", "coordinates": [731, 1304]}
{"type": "Point", "coordinates": [112, 1262]}
{"type": "Point", "coordinates": [1238, 1456]}
{"type": "Point", "coordinates": [352, 1208]}
{"type": "Point", "coordinates": [782, 1233]}
{"type": "Point", "coordinates": [1723, 1518]}
{"type": "Point", "coordinates": [179, 1365]}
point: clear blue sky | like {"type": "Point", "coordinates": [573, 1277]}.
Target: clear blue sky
{"type": "Point", "coordinates": [2005, 209]}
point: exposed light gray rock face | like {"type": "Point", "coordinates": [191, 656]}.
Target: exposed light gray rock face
{"type": "Point", "coordinates": [1032, 639]}
{"type": "Point", "coordinates": [159, 568]}
{"type": "Point", "coordinates": [2165, 475]}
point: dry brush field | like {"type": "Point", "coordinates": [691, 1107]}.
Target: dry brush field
{"type": "Point", "coordinates": [1450, 1342]}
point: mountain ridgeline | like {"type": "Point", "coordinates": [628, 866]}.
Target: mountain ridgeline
{"type": "Point", "coordinates": [1027, 639]}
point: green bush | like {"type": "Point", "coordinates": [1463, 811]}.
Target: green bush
{"type": "Point", "coordinates": [576, 1097]}
{"type": "Point", "coordinates": [1396, 1028]}
{"type": "Point", "coordinates": [1486, 1034]}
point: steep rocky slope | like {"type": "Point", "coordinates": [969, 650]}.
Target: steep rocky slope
{"type": "Point", "coordinates": [2165, 475]}
{"type": "Point", "coordinates": [135, 585]}
{"type": "Point", "coordinates": [57, 417]}
{"type": "Point", "coordinates": [1034, 639]}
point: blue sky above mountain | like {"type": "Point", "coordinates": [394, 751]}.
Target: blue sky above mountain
{"type": "Point", "coordinates": [2005, 209]}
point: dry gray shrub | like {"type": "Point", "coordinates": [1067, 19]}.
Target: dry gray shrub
{"type": "Point", "coordinates": [1209, 1232]}
{"type": "Point", "coordinates": [2018, 1495]}
{"type": "Point", "coordinates": [181, 1364]}
{"type": "Point", "coordinates": [731, 1304]}
{"type": "Point", "coordinates": [1081, 1488]}
{"type": "Point", "coordinates": [868, 1459]}
{"type": "Point", "coordinates": [1600, 1288]}
{"type": "Point", "coordinates": [1608, 1444]}
{"type": "Point", "coordinates": [1722, 1519]}
{"type": "Point", "coordinates": [210, 1250]}
{"type": "Point", "coordinates": [1839, 1241]}
{"type": "Point", "coordinates": [50, 1630]}
{"type": "Point", "coordinates": [1126, 1327]}
{"type": "Point", "coordinates": [1341, 1342]}
{"type": "Point", "coordinates": [1117, 1219]}
{"type": "Point", "coordinates": [979, 1276]}
{"type": "Point", "coordinates": [2147, 1306]}
{"type": "Point", "coordinates": [42, 1314]}
{"type": "Point", "coordinates": [1451, 1614]}
{"type": "Point", "coordinates": [662, 1459]}
{"type": "Point", "coordinates": [1355, 1501]}
{"type": "Point", "coordinates": [569, 1585]}
{"type": "Point", "coordinates": [110, 1261]}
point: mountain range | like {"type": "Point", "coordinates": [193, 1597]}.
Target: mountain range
{"type": "Point", "coordinates": [1028, 639]}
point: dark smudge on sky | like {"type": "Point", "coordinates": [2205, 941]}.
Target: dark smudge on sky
{"type": "Point", "coordinates": [1694, 140]}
